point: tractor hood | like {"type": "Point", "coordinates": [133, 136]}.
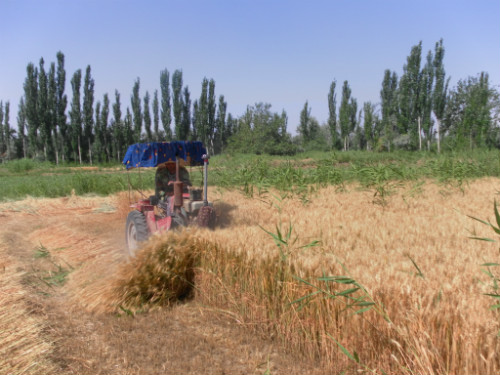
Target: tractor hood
{"type": "Point", "coordinates": [154, 153]}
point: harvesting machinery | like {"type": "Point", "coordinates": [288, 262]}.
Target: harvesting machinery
{"type": "Point", "coordinates": [178, 207]}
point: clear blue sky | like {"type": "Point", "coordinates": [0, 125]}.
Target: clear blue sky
{"type": "Point", "coordinates": [279, 52]}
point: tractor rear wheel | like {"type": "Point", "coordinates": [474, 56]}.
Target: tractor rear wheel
{"type": "Point", "coordinates": [136, 231]}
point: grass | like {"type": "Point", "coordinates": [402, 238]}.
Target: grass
{"type": "Point", "coordinates": [255, 175]}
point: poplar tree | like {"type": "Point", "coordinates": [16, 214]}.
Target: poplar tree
{"type": "Point", "coordinates": [389, 106]}
{"type": "Point", "coordinates": [105, 131]}
{"type": "Point", "coordinates": [135, 102]}
{"type": "Point", "coordinates": [61, 104]}
{"type": "Point", "coordinates": [31, 100]}
{"type": "Point", "coordinates": [8, 132]}
{"type": "Point", "coordinates": [166, 108]}
{"type": "Point", "coordinates": [425, 101]}
{"type": "Point", "coordinates": [200, 121]}
{"type": "Point", "coordinates": [156, 117]}
{"type": "Point", "coordinates": [345, 115]}
{"type": "Point", "coordinates": [117, 127]}
{"type": "Point", "coordinates": [177, 103]}
{"type": "Point", "coordinates": [147, 118]}
{"type": "Point", "coordinates": [305, 117]}
{"type": "Point", "coordinates": [410, 108]}
{"type": "Point", "coordinates": [75, 116]}
{"type": "Point", "coordinates": [52, 114]}
{"type": "Point", "coordinates": [128, 125]}
{"type": "Point", "coordinates": [221, 125]}
{"type": "Point", "coordinates": [97, 145]}
{"type": "Point", "coordinates": [332, 113]}
{"type": "Point", "coordinates": [186, 115]}
{"type": "Point", "coordinates": [88, 113]}
{"type": "Point", "coordinates": [369, 125]}
{"type": "Point", "coordinates": [21, 149]}
{"type": "Point", "coordinates": [440, 93]}
{"type": "Point", "coordinates": [42, 109]}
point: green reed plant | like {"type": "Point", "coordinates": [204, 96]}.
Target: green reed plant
{"type": "Point", "coordinates": [490, 267]}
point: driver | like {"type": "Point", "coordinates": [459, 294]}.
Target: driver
{"type": "Point", "coordinates": [165, 177]}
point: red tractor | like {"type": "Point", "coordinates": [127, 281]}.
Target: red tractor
{"type": "Point", "coordinates": [178, 206]}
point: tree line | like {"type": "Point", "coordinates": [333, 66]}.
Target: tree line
{"type": "Point", "coordinates": [417, 111]}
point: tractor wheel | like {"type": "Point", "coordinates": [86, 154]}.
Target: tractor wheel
{"type": "Point", "coordinates": [136, 231]}
{"type": "Point", "coordinates": [206, 217]}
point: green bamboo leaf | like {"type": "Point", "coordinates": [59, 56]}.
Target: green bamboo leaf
{"type": "Point", "coordinates": [497, 215]}
{"type": "Point", "coordinates": [310, 244]}
{"type": "Point", "coordinates": [347, 292]}
{"type": "Point", "coordinates": [482, 239]}
{"type": "Point", "coordinates": [305, 297]}
{"type": "Point", "coordinates": [495, 307]}
{"type": "Point", "coordinates": [361, 311]}
{"type": "Point", "coordinates": [490, 264]}
{"type": "Point", "coordinates": [481, 221]}
{"type": "Point", "coordinates": [344, 350]}
{"type": "Point", "coordinates": [337, 279]}
{"type": "Point", "coordinates": [492, 295]}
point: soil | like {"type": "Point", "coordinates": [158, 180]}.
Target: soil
{"type": "Point", "coordinates": [63, 245]}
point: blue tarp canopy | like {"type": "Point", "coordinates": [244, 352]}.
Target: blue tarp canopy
{"type": "Point", "coordinates": [154, 153]}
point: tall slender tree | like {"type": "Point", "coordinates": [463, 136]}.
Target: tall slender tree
{"type": "Point", "coordinates": [117, 128]}
{"type": "Point", "coordinates": [147, 118]}
{"type": "Point", "coordinates": [43, 110]}
{"type": "Point", "coordinates": [410, 103]}
{"type": "Point", "coordinates": [135, 102]}
{"type": "Point", "coordinates": [76, 116]}
{"type": "Point", "coordinates": [389, 106]}
{"type": "Point", "coordinates": [200, 121]}
{"type": "Point", "coordinates": [220, 125]}
{"type": "Point", "coordinates": [166, 107]}
{"type": "Point", "coordinates": [88, 113]}
{"type": "Point", "coordinates": [440, 93]}
{"type": "Point", "coordinates": [425, 101]}
{"type": "Point", "coordinates": [156, 117]}
{"type": "Point", "coordinates": [8, 132]}
{"type": "Point", "coordinates": [305, 119]}
{"type": "Point", "coordinates": [61, 104]}
{"type": "Point", "coordinates": [21, 149]}
{"type": "Point", "coordinates": [369, 123]}
{"type": "Point", "coordinates": [177, 103]}
{"type": "Point", "coordinates": [52, 114]}
{"type": "Point", "coordinates": [97, 145]}
{"type": "Point", "coordinates": [105, 131]}
{"type": "Point", "coordinates": [332, 113]}
{"type": "Point", "coordinates": [186, 114]}
{"type": "Point", "coordinates": [345, 115]}
{"type": "Point", "coordinates": [31, 100]}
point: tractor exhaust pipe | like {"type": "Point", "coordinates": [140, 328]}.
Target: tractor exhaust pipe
{"type": "Point", "coordinates": [178, 186]}
{"type": "Point", "coordinates": [205, 179]}
{"type": "Point", "coordinates": [206, 216]}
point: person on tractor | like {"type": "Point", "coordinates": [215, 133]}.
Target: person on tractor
{"type": "Point", "coordinates": [166, 176]}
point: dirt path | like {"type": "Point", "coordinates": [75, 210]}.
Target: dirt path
{"type": "Point", "coordinates": [63, 247]}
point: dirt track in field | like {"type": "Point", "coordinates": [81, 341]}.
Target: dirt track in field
{"type": "Point", "coordinates": [56, 249]}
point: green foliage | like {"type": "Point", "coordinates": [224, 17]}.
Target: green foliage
{"type": "Point", "coordinates": [494, 277]}
{"type": "Point", "coordinates": [261, 131]}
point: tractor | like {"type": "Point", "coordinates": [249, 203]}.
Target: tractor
{"type": "Point", "coordinates": [178, 207]}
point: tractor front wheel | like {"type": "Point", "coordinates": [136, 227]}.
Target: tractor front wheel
{"type": "Point", "coordinates": [136, 231]}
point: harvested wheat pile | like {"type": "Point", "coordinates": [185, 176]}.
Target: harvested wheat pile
{"type": "Point", "coordinates": [161, 273]}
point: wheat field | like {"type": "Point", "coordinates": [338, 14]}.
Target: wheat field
{"type": "Point", "coordinates": [354, 285]}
